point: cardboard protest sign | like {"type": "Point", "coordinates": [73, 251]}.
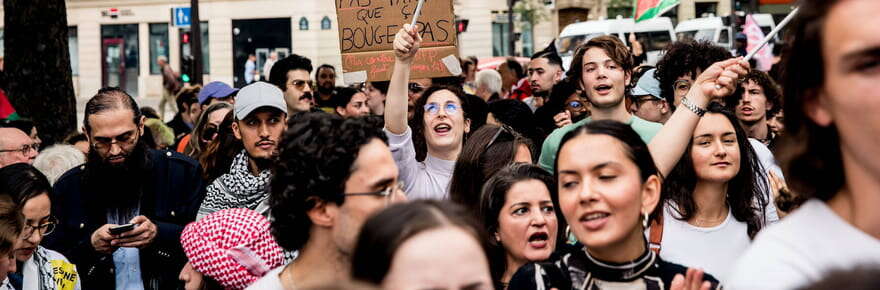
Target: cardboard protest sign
{"type": "Point", "coordinates": [366, 38]}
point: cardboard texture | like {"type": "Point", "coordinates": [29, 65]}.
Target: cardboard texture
{"type": "Point", "coordinates": [366, 37]}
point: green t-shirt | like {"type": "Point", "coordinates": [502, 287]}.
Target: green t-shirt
{"type": "Point", "coordinates": [645, 129]}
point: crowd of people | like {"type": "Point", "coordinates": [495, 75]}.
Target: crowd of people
{"type": "Point", "coordinates": [611, 175]}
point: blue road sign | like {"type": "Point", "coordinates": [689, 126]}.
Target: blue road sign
{"type": "Point", "coordinates": [181, 16]}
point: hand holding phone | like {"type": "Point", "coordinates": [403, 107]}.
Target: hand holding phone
{"type": "Point", "coordinates": [121, 229]}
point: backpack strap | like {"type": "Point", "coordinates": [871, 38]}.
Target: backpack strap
{"type": "Point", "coordinates": [655, 237]}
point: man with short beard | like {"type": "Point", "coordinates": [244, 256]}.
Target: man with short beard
{"type": "Point", "coordinates": [260, 115]}
{"type": "Point", "coordinates": [123, 182]}
{"type": "Point", "coordinates": [545, 70]}
{"type": "Point", "coordinates": [325, 76]}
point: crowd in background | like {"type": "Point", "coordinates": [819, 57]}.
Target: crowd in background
{"type": "Point", "coordinates": [611, 175]}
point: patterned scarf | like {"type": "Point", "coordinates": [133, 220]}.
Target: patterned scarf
{"type": "Point", "coordinates": [238, 188]}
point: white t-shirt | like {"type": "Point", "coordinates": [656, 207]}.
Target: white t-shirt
{"type": "Point", "coordinates": [423, 180]}
{"type": "Point", "coordinates": [712, 249]}
{"type": "Point", "coordinates": [270, 281]}
{"type": "Point", "coordinates": [768, 163]}
{"type": "Point", "coordinates": [801, 248]}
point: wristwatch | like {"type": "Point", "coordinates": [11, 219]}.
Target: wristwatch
{"type": "Point", "coordinates": [694, 108]}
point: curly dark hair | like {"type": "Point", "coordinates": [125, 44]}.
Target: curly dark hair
{"type": "Point", "coordinates": [278, 74]}
{"type": "Point", "coordinates": [744, 191]}
{"type": "Point", "coordinates": [417, 123]}
{"type": "Point", "coordinates": [316, 156]}
{"type": "Point", "coordinates": [771, 91]}
{"type": "Point", "coordinates": [683, 58]}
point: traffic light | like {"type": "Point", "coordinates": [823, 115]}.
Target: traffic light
{"type": "Point", "coordinates": [461, 25]}
{"type": "Point", "coordinates": [186, 68]}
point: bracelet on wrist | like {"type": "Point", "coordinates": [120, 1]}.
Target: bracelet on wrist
{"type": "Point", "coordinates": [692, 107]}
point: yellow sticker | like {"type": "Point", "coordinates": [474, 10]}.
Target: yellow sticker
{"type": "Point", "coordinates": [64, 274]}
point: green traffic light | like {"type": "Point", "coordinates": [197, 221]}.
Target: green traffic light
{"type": "Point", "coordinates": [184, 78]}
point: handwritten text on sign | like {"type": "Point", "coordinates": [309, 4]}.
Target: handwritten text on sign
{"type": "Point", "coordinates": [367, 29]}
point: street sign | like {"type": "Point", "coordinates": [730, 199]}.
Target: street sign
{"type": "Point", "coordinates": [181, 16]}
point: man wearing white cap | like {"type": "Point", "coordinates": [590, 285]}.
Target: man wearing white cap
{"type": "Point", "coordinates": [260, 119]}
{"type": "Point", "coordinates": [646, 100]}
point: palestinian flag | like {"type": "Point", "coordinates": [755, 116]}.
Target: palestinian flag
{"type": "Point", "coordinates": [647, 9]}
{"type": "Point", "coordinates": [6, 109]}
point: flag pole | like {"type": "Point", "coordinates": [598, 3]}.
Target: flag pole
{"type": "Point", "coordinates": [771, 34]}
{"type": "Point", "coordinates": [416, 14]}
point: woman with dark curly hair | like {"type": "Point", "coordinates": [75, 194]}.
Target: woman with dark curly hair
{"type": "Point", "coordinates": [331, 174]}
{"type": "Point", "coordinates": [713, 202]}
{"type": "Point", "coordinates": [830, 78]}
{"type": "Point", "coordinates": [682, 63]}
{"type": "Point", "coordinates": [425, 150]}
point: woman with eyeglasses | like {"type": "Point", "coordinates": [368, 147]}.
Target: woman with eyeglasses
{"type": "Point", "coordinates": [425, 150]}
{"type": "Point", "coordinates": [206, 128]}
{"type": "Point", "coordinates": [38, 267]}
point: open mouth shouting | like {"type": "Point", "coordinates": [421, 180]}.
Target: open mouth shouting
{"type": "Point", "coordinates": [539, 240]}
{"type": "Point", "coordinates": [443, 129]}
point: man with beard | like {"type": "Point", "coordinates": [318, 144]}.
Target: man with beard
{"type": "Point", "coordinates": [602, 67]}
{"type": "Point", "coordinates": [260, 115]}
{"type": "Point", "coordinates": [545, 70]}
{"type": "Point", "coordinates": [121, 213]}
{"type": "Point", "coordinates": [325, 76]}
{"type": "Point", "coordinates": [291, 75]}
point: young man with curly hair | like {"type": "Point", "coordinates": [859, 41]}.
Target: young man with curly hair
{"type": "Point", "coordinates": [756, 100]}
{"type": "Point", "coordinates": [332, 173]}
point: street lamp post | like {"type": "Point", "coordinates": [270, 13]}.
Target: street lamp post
{"type": "Point", "coordinates": [510, 35]}
{"type": "Point", "coordinates": [196, 46]}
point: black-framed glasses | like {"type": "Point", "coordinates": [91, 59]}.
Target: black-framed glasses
{"type": "Point", "coordinates": [387, 193]}
{"type": "Point", "coordinates": [44, 229]}
{"type": "Point", "coordinates": [415, 88]}
{"type": "Point", "coordinates": [24, 148]}
{"type": "Point", "coordinates": [127, 138]}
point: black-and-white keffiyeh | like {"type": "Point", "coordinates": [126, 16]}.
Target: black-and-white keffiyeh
{"type": "Point", "coordinates": [236, 189]}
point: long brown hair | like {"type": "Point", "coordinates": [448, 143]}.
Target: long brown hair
{"type": "Point", "coordinates": [810, 153]}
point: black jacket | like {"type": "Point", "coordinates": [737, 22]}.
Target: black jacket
{"type": "Point", "coordinates": [171, 197]}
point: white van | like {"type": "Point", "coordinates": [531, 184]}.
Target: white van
{"type": "Point", "coordinates": [716, 30]}
{"type": "Point", "coordinates": [654, 34]}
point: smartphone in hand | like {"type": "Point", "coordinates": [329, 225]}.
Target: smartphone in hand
{"type": "Point", "coordinates": [121, 229]}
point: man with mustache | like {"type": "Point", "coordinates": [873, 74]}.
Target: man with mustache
{"type": "Point", "coordinates": [291, 75]}
{"type": "Point", "coordinates": [123, 182]}
{"type": "Point", "coordinates": [260, 115]}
